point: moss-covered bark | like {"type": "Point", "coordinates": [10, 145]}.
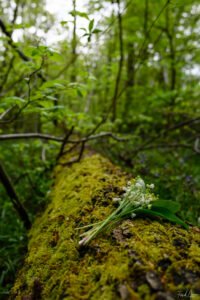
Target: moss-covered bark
{"type": "Point", "coordinates": [140, 259]}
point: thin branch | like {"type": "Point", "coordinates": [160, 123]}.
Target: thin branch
{"type": "Point", "coordinates": [19, 136]}
{"type": "Point", "coordinates": [15, 12]}
{"type": "Point", "coordinates": [78, 158]}
{"type": "Point", "coordinates": [11, 42]}
{"type": "Point", "coordinates": [2, 116]}
{"type": "Point", "coordinates": [98, 136]}
{"type": "Point", "coordinates": [65, 140]}
{"type": "Point", "coordinates": [7, 183]}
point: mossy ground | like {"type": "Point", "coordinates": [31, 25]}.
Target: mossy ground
{"type": "Point", "coordinates": [140, 259]}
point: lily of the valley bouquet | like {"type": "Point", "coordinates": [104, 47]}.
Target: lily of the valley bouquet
{"type": "Point", "coordinates": [137, 199]}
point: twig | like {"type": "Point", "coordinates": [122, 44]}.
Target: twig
{"type": "Point", "coordinates": [6, 112]}
{"type": "Point", "coordinates": [78, 158]}
{"type": "Point", "coordinates": [65, 140]}
{"type": "Point", "coordinates": [98, 136]}
{"type": "Point", "coordinates": [18, 136]}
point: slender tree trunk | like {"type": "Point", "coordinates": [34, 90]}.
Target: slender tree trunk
{"type": "Point", "coordinates": [173, 74]}
{"type": "Point", "coordinates": [130, 76]}
{"type": "Point", "coordinates": [7, 183]}
{"type": "Point", "coordinates": [146, 32]}
{"type": "Point", "coordinates": [120, 66]}
{"type": "Point", "coordinates": [74, 44]}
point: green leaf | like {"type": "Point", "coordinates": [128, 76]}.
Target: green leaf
{"type": "Point", "coordinates": [80, 14]}
{"type": "Point", "coordinates": [169, 204]}
{"type": "Point", "coordinates": [163, 213]}
{"type": "Point", "coordinates": [79, 93]}
{"type": "Point", "coordinates": [13, 100]}
{"type": "Point", "coordinates": [63, 23]}
{"type": "Point", "coordinates": [96, 31]}
{"type": "Point", "coordinates": [91, 25]}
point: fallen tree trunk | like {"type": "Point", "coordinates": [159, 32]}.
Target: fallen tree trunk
{"type": "Point", "coordinates": [139, 259]}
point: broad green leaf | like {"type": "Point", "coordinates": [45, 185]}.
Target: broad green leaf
{"type": "Point", "coordinates": [169, 204]}
{"type": "Point", "coordinates": [96, 30]}
{"type": "Point", "coordinates": [91, 25]}
{"type": "Point", "coordinates": [163, 213]}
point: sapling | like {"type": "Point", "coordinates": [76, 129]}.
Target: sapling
{"type": "Point", "coordinates": [137, 199]}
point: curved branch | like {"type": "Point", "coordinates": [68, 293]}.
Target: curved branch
{"type": "Point", "coordinates": [97, 136]}
{"type": "Point", "coordinates": [19, 136]}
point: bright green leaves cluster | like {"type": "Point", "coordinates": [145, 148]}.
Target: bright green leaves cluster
{"type": "Point", "coordinates": [91, 30]}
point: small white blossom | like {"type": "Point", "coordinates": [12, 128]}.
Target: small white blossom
{"type": "Point", "coordinates": [151, 186]}
{"type": "Point", "coordinates": [140, 184]}
{"type": "Point", "coordinates": [129, 183]}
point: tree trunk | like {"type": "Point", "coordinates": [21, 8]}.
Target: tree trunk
{"type": "Point", "coordinates": [138, 259]}
{"type": "Point", "coordinates": [120, 65]}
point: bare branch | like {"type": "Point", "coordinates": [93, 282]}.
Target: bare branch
{"type": "Point", "coordinates": [2, 116]}
{"type": "Point", "coordinates": [98, 136]}
{"type": "Point", "coordinates": [19, 136]}
{"type": "Point", "coordinates": [76, 159]}
{"type": "Point", "coordinates": [65, 140]}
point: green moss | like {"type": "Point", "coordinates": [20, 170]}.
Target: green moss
{"type": "Point", "coordinates": [117, 265]}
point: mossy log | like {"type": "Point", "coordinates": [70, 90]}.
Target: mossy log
{"type": "Point", "coordinates": [139, 259]}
